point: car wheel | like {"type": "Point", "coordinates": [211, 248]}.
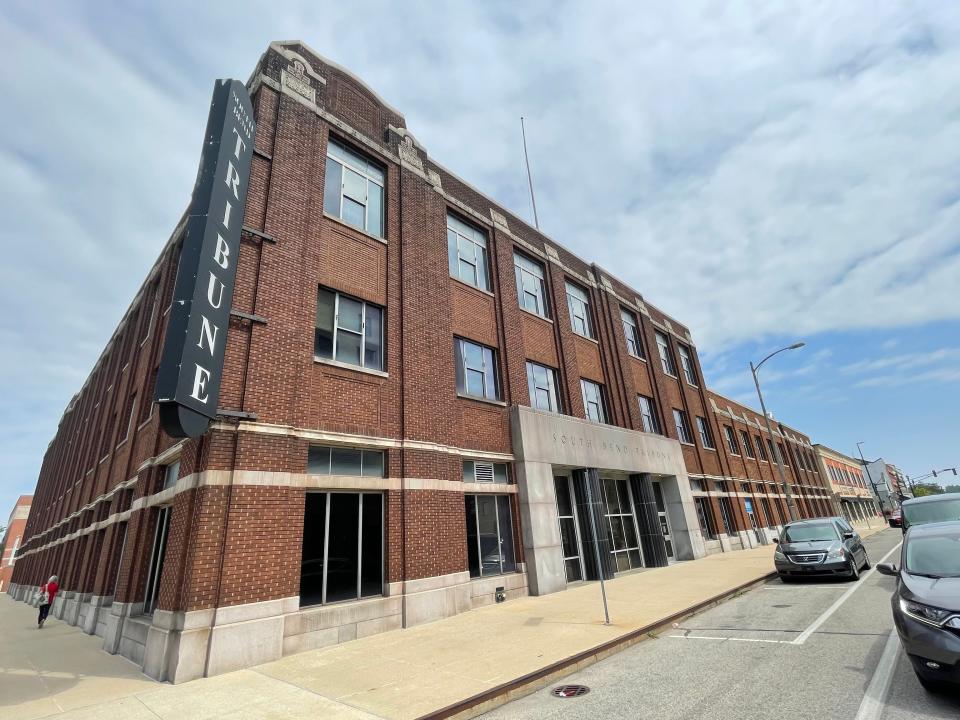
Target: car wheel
{"type": "Point", "coordinates": [854, 570]}
{"type": "Point", "coordinates": [866, 560]}
{"type": "Point", "coordinates": [786, 579]}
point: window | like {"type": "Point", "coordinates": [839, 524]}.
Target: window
{"type": "Point", "coordinates": [348, 330]}
{"type": "Point", "coordinates": [651, 422]}
{"type": "Point", "coordinates": [761, 452]}
{"type": "Point", "coordinates": [687, 362]}
{"type": "Point", "coordinates": [747, 445]}
{"type": "Point", "coordinates": [578, 302]}
{"type": "Point", "coordinates": [476, 370]}
{"type": "Point", "coordinates": [353, 189]}
{"type": "Point", "coordinates": [706, 438]}
{"type": "Point", "coordinates": [773, 452]}
{"type": "Point", "coordinates": [489, 535]}
{"type": "Point", "coordinates": [683, 427]}
{"type": "Point", "coordinates": [783, 454]}
{"type": "Point", "coordinates": [745, 488]}
{"type": "Point", "coordinates": [631, 332]}
{"type": "Point", "coordinates": [731, 440]}
{"type": "Point", "coordinates": [698, 485]}
{"type": "Point", "coordinates": [705, 517]}
{"type": "Point", "coordinates": [171, 473]}
{"type": "Point", "coordinates": [481, 471]}
{"type": "Point", "coordinates": [726, 513]}
{"type": "Point", "coordinates": [666, 360]}
{"type": "Point", "coordinates": [337, 460]}
{"type": "Point", "coordinates": [157, 554]}
{"type": "Point", "coordinates": [531, 287]}
{"type": "Point", "coordinates": [467, 250]}
{"type": "Point", "coordinates": [593, 402]}
{"type": "Point", "coordinates": [542, 384]}
{"type": "Point", "coordinates": [131, 414]}
{"type": "Point", "coordinates": [342, 556]}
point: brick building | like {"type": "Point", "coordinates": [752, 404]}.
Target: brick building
{"type": "Point", "coordinates": [13, 538]}
{"type": "Point", "coordinates": [426, 406]}
{"type": "Point", "coordinates": [851, 490]}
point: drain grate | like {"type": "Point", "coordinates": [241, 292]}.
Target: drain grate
{"type": "Point", "coordinates": [569, 691]}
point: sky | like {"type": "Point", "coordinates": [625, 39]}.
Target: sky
{"type": "Point", "coordinates": [763, 172]}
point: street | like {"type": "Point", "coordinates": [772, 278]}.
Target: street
{"type": "Point", "coordinates": [807, 650]}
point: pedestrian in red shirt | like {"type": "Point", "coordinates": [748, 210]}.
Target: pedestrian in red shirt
{"type": "Point", "coordinates": [47, 593]}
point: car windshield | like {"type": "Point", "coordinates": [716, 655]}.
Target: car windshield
{"type": "Point", "coordinates": [929, 512]}
{"type": "Point", "coordinates": [810, 533]}
{"type": "Point", "coordinates": [937, 555]}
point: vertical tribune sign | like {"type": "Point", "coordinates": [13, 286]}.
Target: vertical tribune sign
{"type": "Point", "coordinates": [188, 380]}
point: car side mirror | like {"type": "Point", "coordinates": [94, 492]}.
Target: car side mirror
{"type": "Point", "coordinates": [887, 569]}
{"type": "Point", "coordinates": [847, 535]}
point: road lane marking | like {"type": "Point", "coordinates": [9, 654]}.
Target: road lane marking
{"type": "Point", "coordinates": [708, 637]}
{"type": "Point", "coordinates": [875, 698]}
{"type": "Point", "coordinates": [805, 587]}
{"type": "Point", "coordinates": [815, 625]}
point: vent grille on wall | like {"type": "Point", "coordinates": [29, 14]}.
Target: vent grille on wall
{"type": "Point", "coordinates": [483, 472]}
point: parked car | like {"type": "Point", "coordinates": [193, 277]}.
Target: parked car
{"type": "Point", "coordinates": [825, 546]}
{"type": "Point", "coordinates": [931, 508]}
{"type": "Point", "coordinates": [926, 603]}
{"type": "Point", "coordinates": [895, 519]}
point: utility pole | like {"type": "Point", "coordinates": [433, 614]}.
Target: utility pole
{"type": "Point", "coordinates": [869, 475]}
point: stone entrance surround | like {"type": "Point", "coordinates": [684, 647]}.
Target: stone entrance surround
{"type": "Point", "coordinates": [546, 442]}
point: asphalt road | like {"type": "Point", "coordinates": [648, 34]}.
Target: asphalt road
{"type": "Point", "coordinates": [809, 651]}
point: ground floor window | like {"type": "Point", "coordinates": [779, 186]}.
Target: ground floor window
{"type": "Point", "coordinates": [157, 553]}
{"type": "Point", "coordinates": [569, 530]}
{"type": "Point", "coordinates": [489, 535]}
{"type": "Point", "coordinates": [705, 517]}
{"type": "Point", "coordinates": [726, 512]}
{"type": "Point", "coordinates": [621, 525]}
{"type": "Point", "coordinates": [342, 556]}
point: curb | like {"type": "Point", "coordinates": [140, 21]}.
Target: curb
{"type": "Point", "coordinates": [531, 682]}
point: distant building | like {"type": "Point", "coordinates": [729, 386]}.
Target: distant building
{"type": "Point", "coordinates": [852, 493]}
{"type": "Point", "coordinates": [889, 483]}
{"type": "Point", "coordinates": [13, 539]}
{"type": "Point", "coordinates": [900, 485]}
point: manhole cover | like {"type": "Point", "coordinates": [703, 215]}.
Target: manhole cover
{"type": "Point", "coordinates": [569, 691]}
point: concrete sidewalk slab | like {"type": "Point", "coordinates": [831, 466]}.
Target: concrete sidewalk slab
{"type": "Point", "coordinates": [402, 674]}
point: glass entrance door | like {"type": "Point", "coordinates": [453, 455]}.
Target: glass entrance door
{"type": "Point", "coordinates": [664, 520]}
{"type": "Point", "coordinates": [621, 524]}
{"type": "Point", "coordinates": [569, 529]}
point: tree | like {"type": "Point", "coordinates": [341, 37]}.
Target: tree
{"type": "Point", "coordinates": [924, 489]}
{"type": "Point", "coordinates": [952, 489]}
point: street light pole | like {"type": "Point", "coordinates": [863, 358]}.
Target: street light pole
{"type": "Point", "coordinates": [791, 502]}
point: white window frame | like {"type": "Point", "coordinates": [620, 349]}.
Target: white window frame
{"type": "Point", "coordinates": [731, 437]}
{"type": "Point", "coordinates": [551, 387]}
{"type": "Point", "coordinates": [687, 362]}
{"type": "Point", "coordinates": [361, 166]}
{"type": "Point", "coordinates": [706, 437]}
{"type": "Point", "coordinates": [524, 269]}
{"type": "Point", "coordinates": [466, 368]}
{"type": "Point", "coordinates": [477, 239]}
{"type": "Point", "coordinates": [747, 445]}
{"type": "Point", "coordinates": [682, 426]}
{"type": "Point", "coordinates": [653, 425]}
{"type": "Point", "coordinates": [761, 450]}
{"type": "Point", "coordinates": [363, 329]}
{"type": "Point", "coordinates": [599, 402]}
{"type": "Point", "coordinates": [631, 332]}
{"type": "Point", "coordinates": [578, 303]}
{"type": "Point", "coordinates": [666, 359]}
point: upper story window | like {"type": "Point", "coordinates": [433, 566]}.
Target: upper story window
{"type": "Point", "coordinates": [348, 330]}
{"type": "Point", "coordinates": [687, 362]}
{"type": "Point", "coordinates": [761, 451]}
{"type": "Point", "coordinates": [542, 383]}
{"type": "Point", "coordinates": [631, 332]}
{"type": "Point", "coordinates": [594, 404]}
{"type": "Point", "coordinates": [683, 426]}
{"type": "Point", "coordinates": [706, 437]}
{"type": "Point", "coordinates": [666, 359]}
{"type": "Point", "coordinates": [476, 370]}
{"type": "Point", "coordinates": [337, 460]}
{"type": "Point", "coordinates": [731, 440]}
{"type": "Point", "coordinates": [578, 302]}
{"type": "Point", "coordinates": [531, 286]}
{"type": "Point", "coordinates": [481, 471]}
{"type": "Point", "coordinates": [648, 415]}
{"type": "Point", "coordinates": [467, 250]}
{"type": "Point", "coordinates": [783, 454]}
{"type": "Point", "coordinates": [353, 189]}
{"type": "Point", "coordinates": [747, 445]}
{"type": "Point", "coordinates": [171, 473]}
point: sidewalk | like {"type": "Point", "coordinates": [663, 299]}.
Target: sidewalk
{"type": "Point", "coordinates": [60, 672]}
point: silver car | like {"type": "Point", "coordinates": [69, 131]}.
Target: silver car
{"type": "Point", "coordinates": [821, 547]}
